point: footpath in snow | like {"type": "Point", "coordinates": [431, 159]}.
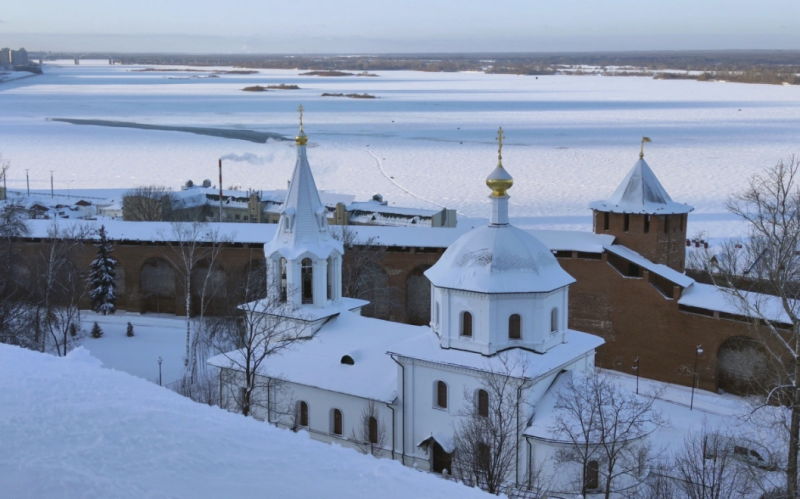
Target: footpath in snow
{"type": "Point", "coordinates": [70, 429]}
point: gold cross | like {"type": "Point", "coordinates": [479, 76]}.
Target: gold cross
{"type": "Point", "coordinates": [300, 110]}
{"type": "Point", "coordinates": [499, 140]}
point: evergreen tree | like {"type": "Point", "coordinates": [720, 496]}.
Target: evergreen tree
{"type": "Point", "coordinates": [103, 277]}
{"type": "Point", "coordinates": [96, 331]}
{"type": "Point", "coordinates": [129, 332]}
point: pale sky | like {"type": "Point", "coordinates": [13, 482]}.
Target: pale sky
{"type": "Point", "coordinates": [369, 26]}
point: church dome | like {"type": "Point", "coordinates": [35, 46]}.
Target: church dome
{"type": "Point", "coordinates": [499, 259]}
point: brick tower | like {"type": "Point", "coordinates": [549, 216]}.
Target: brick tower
{"type": "Point", "coordinates": [641, 216]}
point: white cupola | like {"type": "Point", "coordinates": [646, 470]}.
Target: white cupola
{"type": "Point", "coordinates": [498, 286]}
{"type": "Point", "coordinates": [304, 261]}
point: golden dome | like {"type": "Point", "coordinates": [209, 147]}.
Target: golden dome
{"type": "Point", "coordinates": [499, 181]}
{"type": "Point", "coordinates": [301, 139]}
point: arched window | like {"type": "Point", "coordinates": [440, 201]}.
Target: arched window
{"type": "Point", "coordinates": [330, 277]}
{"type": "Point", "coordinates": [337, 422]}
{"type": "Point", "coordinates": [283, 279]}
{"type": "Point", "coordinates": [441, 394]}
{"type": "Point", "coordinates": [373, 430]}
{"type": "Point", "coordinates": [554, 320]}
{"type": "Point", "coordinates": [514, 327]}
{"type": "Point", "coordinates": [466, 324]}
{"type": "Point", "coordinates": [592, 477]}
{"type": "Point", "coordinates": [307, 274]}
{"type": "Point", "coordinates": [437, 313]}
{"type": "Point", "coordinates": [303, 414]}
{"type": "Point", "coordinates": [483, 403]}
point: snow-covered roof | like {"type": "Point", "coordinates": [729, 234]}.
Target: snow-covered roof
{"type": "Point", "coordinates": [573, 240]}
{"type": "Point", "coordinates": [666, 272]}
{"type": "Point", "coordinates": [303, 226]}
{"type": "Point", "coordinates": [710, 297]}
{"type": "Point", "coordinates": [499, 259]}
{"type": "Point", "coordinates": [317, 362]}
{"type": "Point", "coordinates": [309, 314]}
{"type": "Point", "coordinates": [641, 192]}
{"type": "Point", "coordinates": [427, 347]}
{"type": "Point", "coordinates": [373, 206]}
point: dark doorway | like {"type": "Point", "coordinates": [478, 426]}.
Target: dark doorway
{"type": "Point", "coordinates": [441, 459]}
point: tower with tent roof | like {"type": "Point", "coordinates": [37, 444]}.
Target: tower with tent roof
{"type": "Point", "coordinates": [641, 215]}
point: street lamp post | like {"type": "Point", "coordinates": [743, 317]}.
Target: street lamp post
{"type": "Point", "coordinates": [636, 372]}
{"type": "Point", "coordinates": [698, 353]}
{"type": "Point", "coordinates": [160, 360]}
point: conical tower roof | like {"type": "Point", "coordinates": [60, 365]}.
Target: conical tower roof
{"type": "Point", "coordinates": [303, 225]}
{"type": "Point", "coordinates": [641, 193]}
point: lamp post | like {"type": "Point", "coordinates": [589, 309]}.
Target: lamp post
{"type": "Point", "coordinates": [698, 353]}
{"type": "Point", "coordinates": [160, 360]}
{"type": "Point", "coordinates": [51, 183]}
{"type": "Point", "coordinates": [28, 182]}
{"type": "Point", "coordinates": [636, 372]}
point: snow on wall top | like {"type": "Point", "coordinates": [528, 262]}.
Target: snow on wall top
{"type": "Point", "coordinates": [303, 226]}
{"type": "Point", "coordinates": [710, 297]}
{"type": "Point", "coordinates": [668, 273]}
{"type": "Point", "coordinates": [641, 192]}
{"type": "Point", "coordinates": [498, 259]}
{"type": "Point", "coordinates": [115, 435]}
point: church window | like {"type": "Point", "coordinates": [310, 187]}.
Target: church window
{"type": "Point", "coordinates": [307, 274]}
{"type": "Point", "coordinates": [283, 279]}
{"type": "Point", "coordinates": [554, 320]}
{"type": "Point", "coordinates": [646, 224]}
{"type": "Point", "coordinates": [466, 324]}
{"type": "Point", "coordinates": [606, 217]}
{"type": "Point", "coordinates": [303, 416]}
{"type": "Point", "coordinates": [330, 277]}
{"type": "Point", "coordinates": [441, 394]}
{"type": "Point", "coordinates": [514, 327]}
{"type": "Point", "coordinates": [626, 225]}
{"type": "Point", "coordinates": [483, 403]}
{"type": "Point", "coordinates": [373, 430]}
{"type": "Point", "coordinates": [592, 476]}
{"type": "Point", "coordinates": [336, 424]}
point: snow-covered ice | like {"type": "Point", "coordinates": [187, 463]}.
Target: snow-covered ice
{"type": "Point", "coordinates": [70, 429]}
{"type": "Point", "coordinates": [426, 141]}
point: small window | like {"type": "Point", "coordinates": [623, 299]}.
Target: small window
{"type": "Point", "coordinates": [483, 403]}
{"type": "Point", "coordinates": [606, 223]}
{"type": "Point", "coordinates": [441, 395]}
{"type": "Point", "coordinates": [307, 274]}
{"type": "Point", "coordinates": [373, 430]}
{"type": "Point", "coordinates": [283, 279]}
{"type": "Point", "coordinates": [237, 217]}
{"type": "Point", "coordinates": [337, 422]}
{"type": "Point", "coordinates": [348, 360]}
{"type": "Point", "coordinates": [592, 478]}
{"type": "Point", "coordinates": [514, 327]}
{"type": "Point", "coordinates": [303, 414]}
{"type": "Point", "coordinates": [646, 224]}
{"type": "Point", "coordinates": [666, 224]}
{"type": "Point", "coordinates": [437, 313]}
{"type": "Point", "coordinates": [466, 324]}
{"type": "Point", "coordinates": [554, 320]}
{"type": "Point", "coordinates": [627, 222]}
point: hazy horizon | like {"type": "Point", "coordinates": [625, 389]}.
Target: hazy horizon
{"type": "Point", "coordinates": [412, 26]}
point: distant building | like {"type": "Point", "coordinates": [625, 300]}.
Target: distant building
{"type": "Point", "coordinates": [5, 56]}
{"type": "Point", "coordinates": [19, 57]}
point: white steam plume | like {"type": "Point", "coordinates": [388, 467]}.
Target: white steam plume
{"type": "Point", "coordinates": [248, 157]}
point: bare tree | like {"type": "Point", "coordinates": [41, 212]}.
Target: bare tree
{"type": "Point", "coordinates": [259, 330]}
{"type": "Point", "coordinates": [147, 203]}
{"type": "Point", "coordinates": [189, 244]}
{"type": "Point", "coordinates": [708, 468]}
{"type": "Point", "coordinates": [5, 165]}
{"type": "Point", "coordinates": [371, 435]}
{"type": "Point", "coordinates": [606, 427]}
{"type": "Point", "coordinates": [768, 262]}
{"type": "Point", "coordinates": [363, 276]}
{"type": "Point", "coordinates": [16, 310]}
{"type": "Point", "coordinates": [487, 437]}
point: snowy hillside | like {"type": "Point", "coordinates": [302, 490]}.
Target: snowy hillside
{"type": "Point", "coordinates": [69, 428]}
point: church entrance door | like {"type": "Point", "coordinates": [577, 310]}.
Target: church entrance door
{"type": "Point", "coordinates": [441, 459]}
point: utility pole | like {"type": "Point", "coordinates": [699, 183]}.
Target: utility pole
{"type": "Point", "coordinates": [698, 353]}
{"type": "Point", "coordinates": [51, 183]}
{"type": "Point", "coordinates": [28, 182]}
{"type": "Point", "coordinates": [220, 190]}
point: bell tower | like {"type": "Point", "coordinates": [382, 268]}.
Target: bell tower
{"type": "Point", "coordinates": [641, 216]}
{"type": "Point", "coordinates": [304, 261]}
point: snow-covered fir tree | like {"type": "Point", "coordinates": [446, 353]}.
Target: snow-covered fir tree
{"type": "Point", "coordinates": [103, 277]}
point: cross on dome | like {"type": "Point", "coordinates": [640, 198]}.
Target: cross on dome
{"type": "Point", "coordinates": [499, 140]}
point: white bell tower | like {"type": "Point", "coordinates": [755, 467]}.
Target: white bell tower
{"type": "Point", "coordinates": [304, 261]}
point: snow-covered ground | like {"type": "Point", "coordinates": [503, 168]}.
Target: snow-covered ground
{"type": "Point", "coordinates": [71, 429]}
{"type": "Point", "coordinates": [427, 140]}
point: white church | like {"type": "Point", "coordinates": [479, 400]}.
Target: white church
{"type": "Point", "coordinates": [497, 291]}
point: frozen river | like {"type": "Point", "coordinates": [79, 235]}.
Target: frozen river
{"type": "Point", "coordinates": [427, 140]}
